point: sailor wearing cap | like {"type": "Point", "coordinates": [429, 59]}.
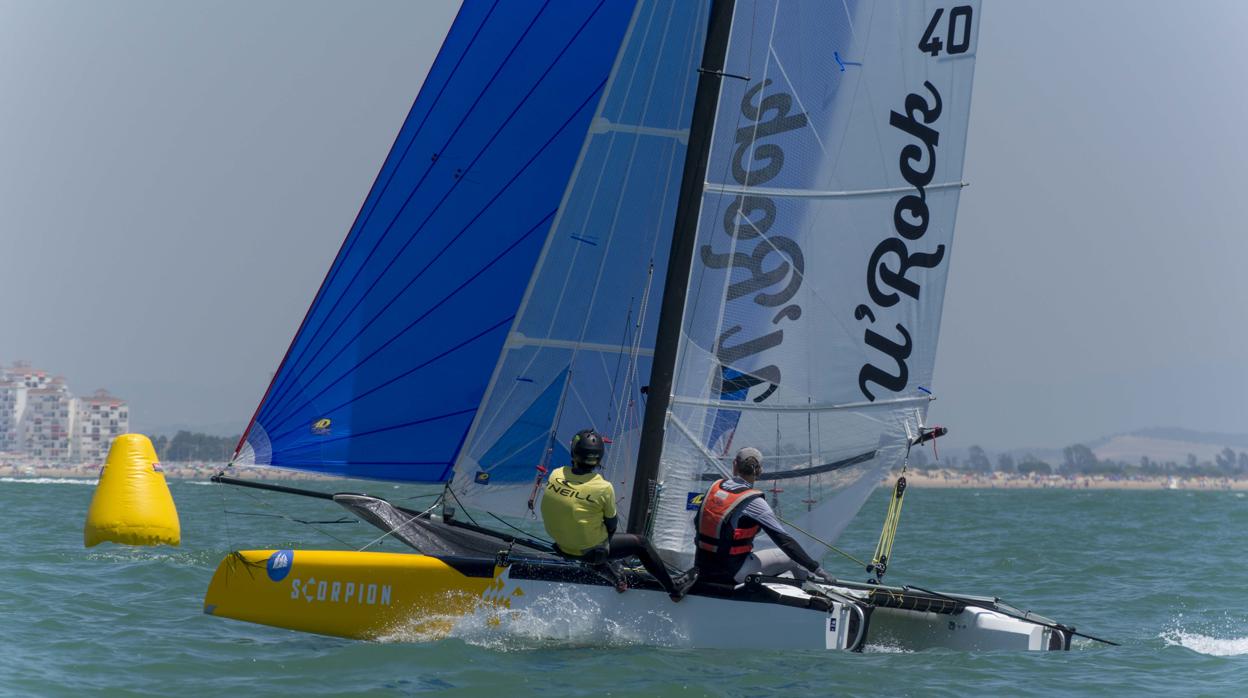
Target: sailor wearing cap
{"type": "Point", "coordinates": [730, 516]}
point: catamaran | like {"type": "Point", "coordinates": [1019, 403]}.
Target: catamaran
{"type": "Point", "coordinates": [692, 226]}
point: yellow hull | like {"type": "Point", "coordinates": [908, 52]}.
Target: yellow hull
{"type": "Point", "coordinates": [348, 594]}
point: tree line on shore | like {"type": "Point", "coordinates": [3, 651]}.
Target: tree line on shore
{"type": "Point", "coordinates": [186, 446]}
{"type": "Point", "coordinates": [1078, 459]}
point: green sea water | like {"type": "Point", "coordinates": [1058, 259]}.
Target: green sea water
{"type": "Point", "coordinates": [1164, 573]}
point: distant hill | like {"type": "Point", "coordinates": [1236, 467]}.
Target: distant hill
{"type": "Point", "coordinates": [212, 429]}
{"type": "Point", "coordinates": [1166, 444]}
{"type": "Point", "coordinates": [1159, 444]}
{"type": "Point", "coordinates": [1234, 441]}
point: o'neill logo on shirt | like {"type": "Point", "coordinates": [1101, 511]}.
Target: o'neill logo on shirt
{"type": "Point", "coordinates": [561, 486]}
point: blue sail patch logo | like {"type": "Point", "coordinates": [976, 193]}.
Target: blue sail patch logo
{"type": "Point", "coordinates": [321, 426]}
{"type": "Point", "coordinates": [279, 564]}
{"type": "Point", "coordinates": [482, 478]}
{"type": "Point", "coordinates": [694, 500]}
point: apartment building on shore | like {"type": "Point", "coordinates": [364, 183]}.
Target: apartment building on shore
{"type": "Point", "coordinates": [100, 417]}
{"type": "Point", "coordinates": [40, 418]}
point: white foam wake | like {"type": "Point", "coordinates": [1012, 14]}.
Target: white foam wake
{"type": "Point", "coordinates": [1205, 644]}
{"type": "Point", "coordinates": [48, 480]}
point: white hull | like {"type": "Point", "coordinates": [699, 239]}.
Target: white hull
{"type": "Point", "coordinates": [711, 622]}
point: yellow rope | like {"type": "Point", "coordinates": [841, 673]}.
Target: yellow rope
{"type": "Point", "coordinates": [884, 549]}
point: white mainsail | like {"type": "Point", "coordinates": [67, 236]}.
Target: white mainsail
{"type": "Point", "coordinates": [823, 244]}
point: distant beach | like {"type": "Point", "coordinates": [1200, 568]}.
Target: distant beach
{"type": "Point", "coordinates": [961, 479]}
{"type": "Point", "coordinates": [172, 471]}
{"type": "Point", "coordinates": [943, 479]}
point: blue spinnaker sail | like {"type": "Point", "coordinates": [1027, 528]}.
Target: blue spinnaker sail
{"type": "Point", "coordinates": [390, 364]}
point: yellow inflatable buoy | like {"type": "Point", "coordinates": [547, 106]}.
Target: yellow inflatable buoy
{"type": "Point", "coordinates": [132, 504]}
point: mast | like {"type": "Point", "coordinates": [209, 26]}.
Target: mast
{"type": "Point", "coordinates": [676, 285]}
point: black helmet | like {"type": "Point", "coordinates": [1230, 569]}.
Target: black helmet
{"type": "Point", "coordinates": [587, 448]}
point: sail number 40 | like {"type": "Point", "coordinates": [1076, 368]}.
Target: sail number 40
{"type": "Point", "coordinates": [957, 32]}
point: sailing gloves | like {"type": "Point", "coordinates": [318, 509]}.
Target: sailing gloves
{"type": "Point", "coordinates": [821, 575]}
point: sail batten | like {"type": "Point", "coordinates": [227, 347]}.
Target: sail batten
{"type": "Point", "coordinates": [606, 126]}
{"type": "Point", "coordinates": [519, 340]}
{"type": "Point", "coordinates": [771, 192]}
{"type": "Point", "coordinates": [797, 407]}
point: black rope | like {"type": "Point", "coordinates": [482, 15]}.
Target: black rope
{"type": "Point", "coordinates": [419, 496]}
{"type": "Point", "coordinates": [518, 529]}
{"type": "Point", "coordinates": [327, 534]}
{"type": "Point", "coordinates": [462, 507]}
{"type": "Point", "coordinates": [289, 518]}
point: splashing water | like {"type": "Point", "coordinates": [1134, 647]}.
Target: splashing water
{"type": "Point", "coordinates": [885, 648]}
{"type": "Point", "coordinates": [1179, 636]}
{"type": "Point", "coordinates": [562, 617]}
{"type": "Point", "coordinates": [1205, 644]}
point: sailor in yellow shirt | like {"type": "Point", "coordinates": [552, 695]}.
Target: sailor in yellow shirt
{"type": "Point", "coordinates": [578, 509]}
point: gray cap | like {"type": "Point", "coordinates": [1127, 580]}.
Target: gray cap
{"type": "Point", "coordinates": [747, 453]}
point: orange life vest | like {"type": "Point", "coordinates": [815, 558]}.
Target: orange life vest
{"type": "Point", "coordinates": [716, 534]}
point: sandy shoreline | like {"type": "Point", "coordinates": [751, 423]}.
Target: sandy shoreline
{"type": "Point", "coordinates": [173, 471]}
{"type": "Point", "coordinates": [962, 480]}
{"type": "Point", "coordinates": [939, 479]}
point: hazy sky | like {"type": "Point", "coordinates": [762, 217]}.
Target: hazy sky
{"type": "Point", "coordinates": [176, 177]}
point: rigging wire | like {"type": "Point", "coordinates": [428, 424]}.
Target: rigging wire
{"type": "Point", "coordinates": [280, 515]}
{"type": "Point", "coordinates": [225, 520]}
{"type": "Point", "coordinates": [822, 542]}
{"type": "Point", "coordinates": [612, 407]}
{"type": "Point", "coordinates": [340, 520]}
{"type": "Point", "coordinates": [518, 529]}
{"type": "Point", "coordinates": [394, 529]}
{"type": "Point", "coordinates": [418, 496]}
